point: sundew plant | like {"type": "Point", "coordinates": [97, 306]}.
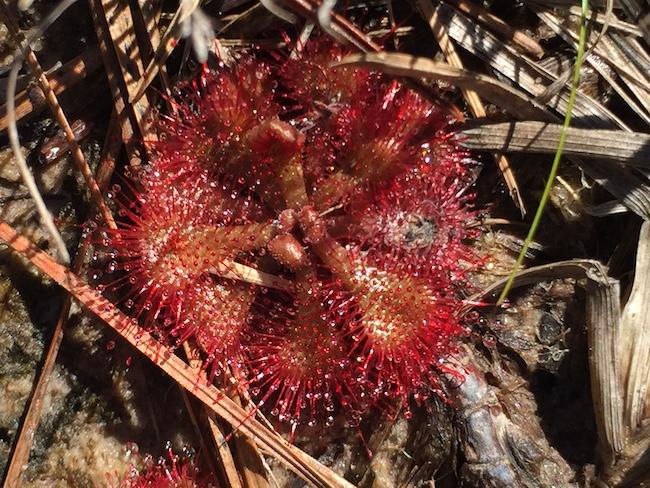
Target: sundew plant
{"type": "Point", "coordinates": [340, 182]}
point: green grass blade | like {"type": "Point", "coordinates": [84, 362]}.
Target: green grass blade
{"type": "Point", "coordinates": [558, 154]}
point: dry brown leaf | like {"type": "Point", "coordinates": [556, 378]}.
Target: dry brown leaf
{"type": "Point", "coordinates": [635, 336]}
{"type": "Point", "coordinates": [632, 148]}
{"type": "Point", "coordinates": [629, 188]}
{"type": "Point", "coordinates": [603, 316]}
{"type": "Point", "coordinates": [524, 73]}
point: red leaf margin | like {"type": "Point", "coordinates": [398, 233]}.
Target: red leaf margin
{"type": "Point", "coordinates": [193, 380]}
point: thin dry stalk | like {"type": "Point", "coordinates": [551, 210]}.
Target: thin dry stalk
{"type": "Point", "coordinates": [123, 111]}
{"type": "Point", "coordinates": [230, 21]}
{"type": "Point", "coordinates": [21, 163]}
{"type": "Point", "coordinates": [60, 80]}
{"type": "Point", "coordinates": [471, 97]}
{"type": "Point", "coordinates": [607, 50]}
{"type": "Point", "coordinates": [226, 461]}
{"type": "Point", "coordinates": [192, 380]}
{"type": "Point", "coordinates": [25, 435]}
{"type": "Point", "coordinates": [57, 111]}
{"type": "Point", "coordinates": [163, 49]}
{"type": "Point", "coordinates": [490, 20]}
{"type": "Point", "coordinates": [132, 117]}
{"type": "Point", "coordinates": [249, 458]}
{"type": "Point", "coordinates": [274, 7]}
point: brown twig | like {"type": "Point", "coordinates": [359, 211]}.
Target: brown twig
{"type": "Point", "coordinates": [518, 37]}
{"type": "Point", "coordinates": [57, 111]}
{"type": "Point", "coordinates": [227, 463]}
{"type": "Point", "coordinates": [60, 80]}
{"type": "Point", "coordinates": [27, 429]}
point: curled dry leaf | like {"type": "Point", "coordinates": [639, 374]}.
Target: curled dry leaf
{"type": "Point", "coordinates": [628, 367]}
